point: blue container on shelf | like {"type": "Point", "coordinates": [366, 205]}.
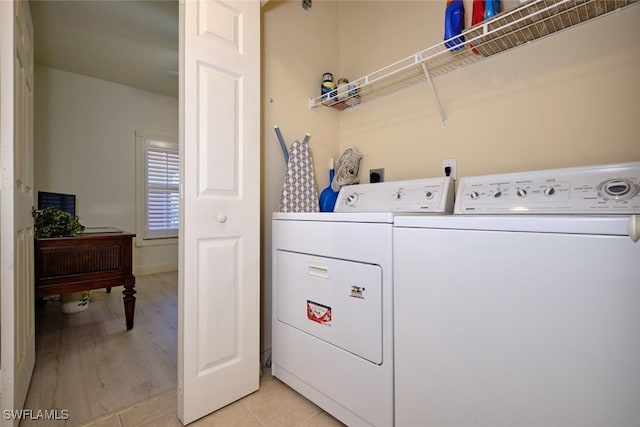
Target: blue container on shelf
{"type": "Point", "coordinates": [454, 24]}
{"type": "Point", "coordinates": [491, 8]}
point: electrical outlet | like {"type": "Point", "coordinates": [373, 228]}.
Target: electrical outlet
{"type": "Point", "coordinates": [376, 175]}
{"type": "Point", "coordinates": [452, 171]}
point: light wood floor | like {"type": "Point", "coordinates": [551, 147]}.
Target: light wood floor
{"type": "Point", "coordinates": [89, 364]}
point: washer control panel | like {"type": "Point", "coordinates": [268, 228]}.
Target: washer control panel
{"type": "Point", "coordinates": [604, 189]}
{"type": "Point", "coordinates": [432, 195]}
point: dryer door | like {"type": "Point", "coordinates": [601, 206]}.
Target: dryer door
{"type": "Point", "coordinates": [337, 301]}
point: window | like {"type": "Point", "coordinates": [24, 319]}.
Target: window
{"type": "Point", "coordinates": [158, 188]}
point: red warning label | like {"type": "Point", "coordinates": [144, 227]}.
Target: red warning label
{"type": "Point", "coordinates": [318, 312]}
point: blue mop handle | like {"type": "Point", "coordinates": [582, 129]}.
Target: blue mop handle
{"type": "Point", "coordinates": [282, 144]}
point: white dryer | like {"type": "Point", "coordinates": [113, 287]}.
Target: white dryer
{"type": "Point", "coordinates": [523, 309]}
{"type": "Point", "coordinates": [333, 297]}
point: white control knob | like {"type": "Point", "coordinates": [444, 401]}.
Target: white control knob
{"type": "Point", "coordinates": [221, 218]}
{"type": "Point", "coordinates": [497, 194]}
{"type": "Point", "coordinates": [521, 192]}
{"type": "Point", "coordinates": [397, 196]}
{"type": "Point", "coordinates": [549, 191]}
{"type": "Point", "coordinates": [429, 194]}
{"type": "Point", "coordinates": [352, 199]}
{"type": "Point", "coordinates": [618, 189]}
{"type": "Point", "coordinates": [474, 195]}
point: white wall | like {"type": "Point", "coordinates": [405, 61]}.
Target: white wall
{"type": "Point", "coordinates": [84, 144]}
{"type": "Point", "coordinates": [571, 99]}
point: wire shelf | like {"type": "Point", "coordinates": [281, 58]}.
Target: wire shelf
{"type": "Point", "coordinates": [530, 21]}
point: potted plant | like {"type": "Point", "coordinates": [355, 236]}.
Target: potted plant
{"type": "Point", "coordinates": [54, 222]}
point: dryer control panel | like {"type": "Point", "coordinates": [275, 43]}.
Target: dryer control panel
{"type": "Point", "coordinates": [430, 195]}
{"type": "Point", "coordinates": [604, 189]}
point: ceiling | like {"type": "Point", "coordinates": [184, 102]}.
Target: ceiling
{"type": "Point", "coordinates": [134, 43]}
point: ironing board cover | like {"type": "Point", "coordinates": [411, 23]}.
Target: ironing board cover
{"type": "Point", "coordinates": [299, 191]}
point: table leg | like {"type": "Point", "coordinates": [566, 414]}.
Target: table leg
{"type": "Point", "coordinates": [129, 304]}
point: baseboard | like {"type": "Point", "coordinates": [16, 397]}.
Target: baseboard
{"type": "Point", "coordinates": [142, 270]}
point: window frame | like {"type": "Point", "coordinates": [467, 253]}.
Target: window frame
{"type": "Point", "coordinates": [142, 138]}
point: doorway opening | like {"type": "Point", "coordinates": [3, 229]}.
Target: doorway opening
{"type": "Point", "coordinates": [102, 70]}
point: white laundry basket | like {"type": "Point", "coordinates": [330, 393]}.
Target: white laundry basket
{"type": "Point", "coordinates": [75, 302]}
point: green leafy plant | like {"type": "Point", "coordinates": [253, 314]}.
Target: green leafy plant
{"type": "Point", "coordinates": [54, 222]}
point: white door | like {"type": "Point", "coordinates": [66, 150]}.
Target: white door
{"type": "Point", "coordinates": [16, 202]}
{"type": "Point", "coordinates": [219, 262]}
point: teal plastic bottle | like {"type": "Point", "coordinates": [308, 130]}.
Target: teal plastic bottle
{"type": "Point", "coordinates": [454, 24]}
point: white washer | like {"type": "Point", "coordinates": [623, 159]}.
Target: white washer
{"type": "Point", "coordinates": [506, 318]}
{"type": "Point", "coordinates": [333, 297]}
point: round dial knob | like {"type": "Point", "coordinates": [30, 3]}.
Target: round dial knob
{"type": "Point", "coordinates": [497, 194]}
{"type": "Point", "coordinates": [474, 195]}
{"type": "Point", "coordinates": [549, 191]}
{"type": "Point", "coordinates": [397, 196]}
{"type": "Point", "coordinates": [429, 195]}
{"type": "Point", "coordinates": [521, 192]}
{"type": "Point", "coordinates": [617, 189]}
{"type": "Point", "coordinates": [352, 199]}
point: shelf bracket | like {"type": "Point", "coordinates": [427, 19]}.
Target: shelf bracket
{"type": "Point", "coordinates": [443, 116]}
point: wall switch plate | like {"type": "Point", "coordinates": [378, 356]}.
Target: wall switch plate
{"type": "Point", "coordinates": [376, 175]}
{"type": "Point", "coordinates": [453, 169]}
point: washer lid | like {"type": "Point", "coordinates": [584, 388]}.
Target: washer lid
{"type": "Point", "coordinates": [573, 224]}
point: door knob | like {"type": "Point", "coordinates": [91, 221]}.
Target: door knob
{"type": "Point", "coordinates": [221, 218]}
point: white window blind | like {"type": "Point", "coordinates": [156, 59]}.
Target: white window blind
{"type": "Point", "coordinates": [162, 165]}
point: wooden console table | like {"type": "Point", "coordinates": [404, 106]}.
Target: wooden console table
{"type": "Point", "coordinates": [84, 262]}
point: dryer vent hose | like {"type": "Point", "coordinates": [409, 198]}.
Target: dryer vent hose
{"type": "Point", "coordinates": [346, 169]}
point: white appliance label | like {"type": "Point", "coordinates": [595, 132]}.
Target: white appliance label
{"type": "Point", "coordinates": [357, 291]}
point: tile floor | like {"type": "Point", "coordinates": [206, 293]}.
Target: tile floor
{"type": "Point", "coordinates": [274, 404]}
